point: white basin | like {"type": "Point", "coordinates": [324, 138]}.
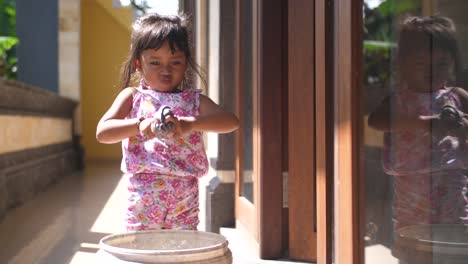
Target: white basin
{"type": "Point", "coordinates": [168, 246]}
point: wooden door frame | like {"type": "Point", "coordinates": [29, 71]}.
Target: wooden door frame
{"type": "Point", "coordinates": [263, 219]}
{"type": "Point", "coordinates": [324, 59]}
{"type": "Point", "coordinates": [302, 130]}
{"type": "Point", "coordinates": [349, 188]}
{"type": "Point", "coordinates": [270, 110]}
{"type": "Point", "coordinates": [244, 210]}
{"type": "Point", "coordinates": [322, 27]}
{"type": "Point", "coordinates": [340, 23]}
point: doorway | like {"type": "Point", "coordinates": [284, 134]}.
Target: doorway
{"type": "Point", "coordinates": [281, 97]}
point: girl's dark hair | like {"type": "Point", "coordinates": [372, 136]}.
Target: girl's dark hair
{"type": "Point", "coordinates": [429, 33]}
{"type": "Point", "coordinates": [150, 32]}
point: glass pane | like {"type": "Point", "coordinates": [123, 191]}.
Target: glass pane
{"type": "Point", "coordinates": [416, 152]}
{"type": "Point", "coordinates": [248, 179]}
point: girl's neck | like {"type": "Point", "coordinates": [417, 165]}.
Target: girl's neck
{"type": "Point", "coordinates": [144, 86]}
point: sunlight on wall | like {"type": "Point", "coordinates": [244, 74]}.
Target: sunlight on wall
{"type": "Point", "coordinates": [104, 47]}
{"type": "Point", "coordinates": [24, 132]}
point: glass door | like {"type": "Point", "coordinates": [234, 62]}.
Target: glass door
{"type": "Point", "coordinates": [414, 104]}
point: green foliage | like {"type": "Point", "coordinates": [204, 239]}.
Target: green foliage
{"type": "Point", "coordinates": [8, 40]}
{"type": "Point", "coordinates": [7, 43]}
{"type": "Point", "coordinates": [395, 7]}
{"type": "Point", "coordinates": [141, 6]}
{"type": "Point", "coordinates": [377, 62]}
{"type": "Point", "coordinates": [7, 60]}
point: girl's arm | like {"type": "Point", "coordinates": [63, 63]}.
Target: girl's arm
{"type": "Point", "coordinates": [379, 119]}
{"type": "Point", "coordinates": [463, 94]}
{"type": "Point", "coordinates": [383, 119]}
{"type": "Point", "coordinates": [113, 127]}
{"type": "Point", "coordinates": [212, 118]}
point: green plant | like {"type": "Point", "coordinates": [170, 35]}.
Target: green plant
{"type": "Point", "coordinates": [8, 39]}
{"type": "Point", "coordinates": [141, 6]}
{"type": "Point", "coordinates": [8, 60]}
{"type": "Point", "coordinates": [377, 61]}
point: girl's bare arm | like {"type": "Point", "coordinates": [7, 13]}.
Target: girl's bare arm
{"type": "Point", "coordinates": [463, 94]}
{"type": "Point", "coordinates": [383, 119]}
{"type": "Point", "coordinates": [379, 119]}
{"type": "Point", "coordinates": [212, 118]}
{"type": "Point", "coordinates": [113, 127]}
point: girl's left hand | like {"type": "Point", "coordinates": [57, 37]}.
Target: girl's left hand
{"type": "Point", "coordinates": [182, 126]}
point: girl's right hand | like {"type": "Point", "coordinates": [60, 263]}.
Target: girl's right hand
{"type": "Point", "coordinates": [180, 127]}
{"type": "Point", "coordinates": [146, 125]}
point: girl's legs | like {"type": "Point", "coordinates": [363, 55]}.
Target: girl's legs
{"type": "Point", "coordinates": [162, 202]}
{"type": "Point", "coordinates": [144, 209]}
{"type": "Point", "coordinates": [437, 198]}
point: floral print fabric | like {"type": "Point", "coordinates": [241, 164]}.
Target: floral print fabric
{"type": "Point", "coordinates": [162, 202]}
{"type": "Point", "coordinates": [416, 151]}
{"type": "Point", "coordinates": [424, 192]}
{"type": "Point", "coordinates": [162, 172]}
{"type": "Point", "coordinates": [166, 156]}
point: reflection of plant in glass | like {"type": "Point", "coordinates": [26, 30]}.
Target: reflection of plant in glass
{"type": "Point", "coordinates": [141, 6]}
{"type": "Point", "coordinates": [379, 37]}
{"type": "Point", "coordinates": [8, 40]}
{"type": "Point", "coordinates": [377, 61]}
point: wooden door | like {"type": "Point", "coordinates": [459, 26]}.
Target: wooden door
{"type": "Point", "coordinates": [302, 154]}
{"type": "Point", "coordinates": [259, 199]}
{"type": "Point", "coordinates": [348, 135]}
{"type": "Point", "coordinates": [284, 101]}
{"type": "Point", "coordinates": [311, 124]}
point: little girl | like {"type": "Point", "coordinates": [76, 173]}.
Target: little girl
{"type": "Point", "coordinates": [429, 187]}
{"type": "Point", "coordinates": [163, 168]}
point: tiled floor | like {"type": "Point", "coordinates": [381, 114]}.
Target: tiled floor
{"type": "Point", "coordinates": [64, 224]}
{"type": "Point", "coordinates": [242, 251]}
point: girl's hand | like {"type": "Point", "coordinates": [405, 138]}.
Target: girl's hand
{"type": "Point", "coordinates": [146, 125]}
{"type": "Point", "coordinates": [182, 126]}
{"type": "Point", "coordinates": [435, 124]}
{"type": "Point", "coordinates": [441, 126]}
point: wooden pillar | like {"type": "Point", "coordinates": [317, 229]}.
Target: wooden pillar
{"type": "Point", "coordinates": [225, 161]}
{"type": "Point", "coordinates": [349, 192]}
{"type": "Point", "coordinates": [301, 182]}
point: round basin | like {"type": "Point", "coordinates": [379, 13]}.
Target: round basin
{"type": "Point", "coordinates": [429, 243]}
{"type": "Point", "coordinates": [168, 246]}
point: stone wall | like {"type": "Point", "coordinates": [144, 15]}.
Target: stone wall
{"type": "Point", "coordinates": [69, 55]}
{"type": "Point", "coordinates": [37, 143]}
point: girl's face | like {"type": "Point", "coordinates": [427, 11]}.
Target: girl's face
{"type": "Point", "coordinates": [427, 71]}
{"type": "Point", "coordinates": [161, 69]}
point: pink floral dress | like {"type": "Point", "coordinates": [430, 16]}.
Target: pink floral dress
{"type": "Point", "coordinates": [162, 172]}
{"type": "Point", "coordinates": [425, 191]}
